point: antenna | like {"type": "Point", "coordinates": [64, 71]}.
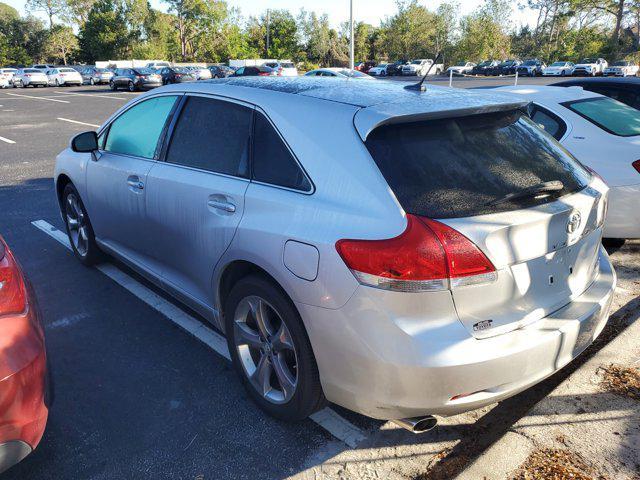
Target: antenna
{"type": "Point", "coordinates": [420, 87]}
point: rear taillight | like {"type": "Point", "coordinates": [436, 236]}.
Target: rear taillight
{"type": "Point", "coordinates": [427, 256]}
{"type": "Point", "coordinates": [263, 74]}
{"type": "Point", "coordinates": [13, 295]}
{"type": "Point", "coordinates": [636, 165]}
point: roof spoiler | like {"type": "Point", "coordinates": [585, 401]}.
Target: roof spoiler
{"type": "Point", "coordinates": [367, 120]}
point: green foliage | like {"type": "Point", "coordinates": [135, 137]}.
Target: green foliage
{"type": "Point", "coordinates": [104, 36]}
{"type": "Point", "coordinates": [61, 45]}
{"type": "Point", "coordinates": [8, 13]}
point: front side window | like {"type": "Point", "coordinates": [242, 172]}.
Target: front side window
{"type": "Point", "coordinates": [136, 132]}
{"type": "Point", "coordinates": [461, 167]}
{"type": "Point", "coordinates": [272, 160]}
{"type": "Point", "coordinates": [610, 115]}
{"type": "Point", "coordinates": [212, 135]}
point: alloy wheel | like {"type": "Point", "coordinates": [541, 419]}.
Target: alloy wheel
{"type": "Point", "coordinates": [77, 224]}
{"type": "Point", "coordinates": [265, 349]}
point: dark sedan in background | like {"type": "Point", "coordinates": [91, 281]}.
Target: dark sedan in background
{"type": "Point", "coordinates": [395, 68]}
{"type": "Point", "coordinates": [483, 67]}
{"type": "Point", "coordinates": [508, 67]}
{"type": "Point", "coordinates": [531, 68]}
{"type": "Point", "coordinates": [625, 90]}
{"type": "Point", "coordinates": [135, 79]}
{"type": "Point", "coordinates": [24, 386]}
{"type": "Point", "coordinates": [220, 71]}
{"type": "Point", "coordinates": [176, 75]}
{"type": "Point", "coordinates": [262, 71]}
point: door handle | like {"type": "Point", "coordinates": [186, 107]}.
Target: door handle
{"type": "Point", "coordinates": [222, 205]}
{"type": "Point", "coordinates": [135, 183]}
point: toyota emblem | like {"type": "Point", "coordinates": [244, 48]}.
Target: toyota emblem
{"type": "Point", "coordinates": [574, 223]}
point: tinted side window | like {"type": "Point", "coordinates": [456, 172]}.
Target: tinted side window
{"type": "Point", "coordinates": [136, 131]}
{"type": "Point", "coordinates": [212, 135]}
{"type": "Point", "coordinates": [551, 123]}
{"type": "Point", "coordinates": [272, 160]}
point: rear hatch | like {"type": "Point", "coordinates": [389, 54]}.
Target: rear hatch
{"type": "Point", "coordinates": [516, 194]}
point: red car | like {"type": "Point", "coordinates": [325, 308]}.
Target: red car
{"type": "Point", "coordinates": [24, 386]}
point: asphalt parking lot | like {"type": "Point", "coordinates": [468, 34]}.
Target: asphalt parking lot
{"type": "Point", "coordinates": [138, 396]}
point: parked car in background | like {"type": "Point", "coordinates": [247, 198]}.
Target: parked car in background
{"type": "Point", "coordinates": [461, 68]}
{"type": "Point", "coordinates": [24, 379]}
{"type": "Point", "coordinates": [220, 71]}
{"type": "Point", "coordinates": [322, 260]}
{"type": "Point", "coordinates": [4, 82]}
{"type": "Point", "coordinates": [96, 76]}
{"type": "Point", "coordinates": [7, 74]}
{"type": "Point", "coordinates": [531, 68]}
{"type": "Point", "coordinates": [485, 67]}
{"type": "Point", "coordinates": [199, 73]}
{"type": "Point", "coordinates": [622, 68]}
{"type": "Point", "coordinates": [338, 72]}
{"type": "Point", "coordinates": [420, 67]}
{"type": "Point", "coordinates": [30, 77]}
{"type": "Point", "coordinates": [591, 67]}
{"type": "Point", "coordinates": [559, 69]}
{"type": "Point", "coordinates": [157, 64]}
{"type": "Point", "coordinates": [135, 79]}
{"type": "Point", "coordinates": [508, 67]}
{"type": "Point", "coordinates": [625, 90]}
{"type": "Point", "coordinates": [64, 77]}
{"type": "Point", "coordinates": [395, 68]}
{"type": "Point", "coordinates": [284, 68]}
{"type": "Point", "coordinates": [43, 66]}
{"type": "Point", "coordinates": [379, 70]}
{"type": "Point", "coordinates": [251, 71]}
{"type": "Point", "coordinates": [604, 135]}
{"type": "Point", "coordinates": [176, 75]}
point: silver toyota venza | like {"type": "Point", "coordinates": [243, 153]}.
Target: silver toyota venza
{"type": "Point", "coordinates": [401, 253]}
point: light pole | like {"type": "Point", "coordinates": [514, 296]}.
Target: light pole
{"type": "Point", "coordinates": [351, 42]}
{"type": "Point", "coordinates": [268, 31]}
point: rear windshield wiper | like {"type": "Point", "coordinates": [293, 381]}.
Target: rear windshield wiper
{"type": "Point", "coordinates": [533, 191]}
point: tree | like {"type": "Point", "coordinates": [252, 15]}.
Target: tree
{"type": "Point", "coordinates": [51, 8]}
{"type": "Point", "coordinates": [77, 11]}
{"type": "Point", "coordinates": [61, 44]}
{"type": "Point", "coordinates": [104, 35]}
{"type": "Point", "coordinates": [483, 32]}
{"type": "Point", "coordinates": [8, 13]}
{"type": "Point", "coordinates": [194, 18]}
{"type": "Point", "coordinates": [410, 33]}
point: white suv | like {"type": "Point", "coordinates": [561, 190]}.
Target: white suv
{"type": "Point", "coordinates": [399, 253]}
{"type": "Point", "coordinates": [284, 68]}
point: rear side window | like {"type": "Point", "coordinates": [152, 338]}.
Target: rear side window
{"type": "Point", "coordinates": [462, 167]}
{"type": "Point", "coordinates": [136, 131]}
{"type": "Point", "coordinates": [272, 160]}
{"type": "Point", "coordinates": [551, 123]}
{"type": "Point", "coordinates": [212, 135]}
{"type": "Point", "coordinates": [608, 114]}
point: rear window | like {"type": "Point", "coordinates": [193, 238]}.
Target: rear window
{"type": "Point", "coordinates": [609, 114]}
{"type": "Point", "coordinates": [461, 167]}
{"type": "Point", "coordinates": [287, 65]}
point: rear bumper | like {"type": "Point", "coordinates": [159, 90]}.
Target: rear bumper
{"type": "Point", "coordinates": [623, 217]}
{"type": "Point", "coordinates": [24, 388]}
{"type": "Point", "coordinates": [392, 368]}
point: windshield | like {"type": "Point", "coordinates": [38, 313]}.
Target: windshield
{"type": "Point", "coordinates": [416, 62]}
{"type": "Point", "coordinates": [485, 63]}
{"type": "Point", "coordinates": [144, 71]}
{"type": "Point", "coordinates": [609, 114]}
{"type": "Point", "coordinates": [181, 70]}
{"type": "Point", "coordinates": [66, 70]}
{"type": "Point", "coordinates": [32, 70]}
{"type": "Point", "coordinates": [589, 60]}
{"type": "Point", "coordinates": [530, 62]}
{"type": "Point", "coordinates": [352, 73]}
{"type": "Point", "coordinates": [620, 64]}
{"type": "Point", "coordinates": [457, 167]}
{"type": "Point", "coordinates": [558, 64]}
{"type": "Point", "coordinates": [287, 65]}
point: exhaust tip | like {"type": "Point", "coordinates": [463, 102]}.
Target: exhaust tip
{"type": "Point", "coordinates": [417, 424]}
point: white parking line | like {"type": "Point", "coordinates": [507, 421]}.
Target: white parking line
{"type": "Point", "coordinates": [6, 140]}
{"type": "Point", "coordinates": [327, 418]}
{"type": "Point", "coordinates": [92, 95]}
{"type": "Point", "coordinates": [79, 123]}
{"type": "Point", "coordinates": [36, 98]}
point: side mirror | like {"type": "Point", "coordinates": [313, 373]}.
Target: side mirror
{"type": "Point", "coordinates": [85, 142]}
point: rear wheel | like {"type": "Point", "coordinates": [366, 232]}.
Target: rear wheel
{"type": "Point", "coordinates": [92, 81]}
{"type": "Point", "coordinates": [112, 85]}
{"type": "Point", "coordinates": [79, 229]}
{"type": "Point", "coordinates": [270, 350]}
{"type": "Point", "coordinates": [613, 244]}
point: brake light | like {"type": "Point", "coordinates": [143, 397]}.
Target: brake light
{"type": "Point", "coordinates": [427, 256]}
{"type": "Point", "coordinates": [636, 165]}
{"type": "Point", "coordinates": [13, 295]}
{"type": "Point", "coordinates": [263, 74]}
{"type": "Point", "coordinates": [27, 74]}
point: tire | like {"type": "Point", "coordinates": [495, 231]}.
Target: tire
{"type": "Point", "coordinates": [294, 357]}
{"type": "Point", "coordinates": [563, 73]}
{"type": "Point", "coordinates": [57, 83]}
{"type": "Point", "coordinates": [112, 86]}
{"type": "Point", "coordinates": [612, 245]}
{"type": "Point", "coordinates": [78, 226]}
{"type": "Point", "coordinates": [131, 87]}
{"type": "Point", "coordinates": [92, 81]}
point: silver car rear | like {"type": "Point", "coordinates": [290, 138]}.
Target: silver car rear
{"type": "Point", "coordinates": [427, 252]}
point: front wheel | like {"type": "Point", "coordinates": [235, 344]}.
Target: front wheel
{"type": "Point", "coordinates": [270, 350]}
{"type": "Point", "coordinates": [131, 87]}
{"type": "Point", "coordinates": [79, 229]}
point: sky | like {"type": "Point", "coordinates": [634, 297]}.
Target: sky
{"type": "Point", "coordinates": [369, 11]}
